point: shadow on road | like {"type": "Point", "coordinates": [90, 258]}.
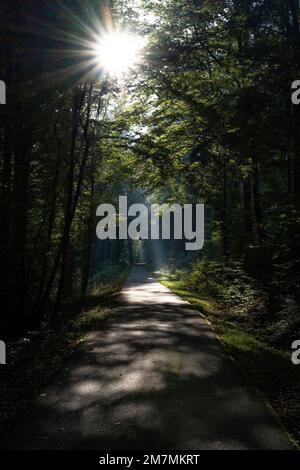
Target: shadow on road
{"type": "Point", "coordinates": [154, 377]}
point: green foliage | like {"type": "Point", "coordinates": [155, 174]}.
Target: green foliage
{"type": "Point", "coordinates": [263, 310]}
{"type": "Point", "coordinates": [108, 277]}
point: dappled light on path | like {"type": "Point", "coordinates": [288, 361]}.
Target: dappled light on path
{"type": "Point", "coordinates": [153, 377]}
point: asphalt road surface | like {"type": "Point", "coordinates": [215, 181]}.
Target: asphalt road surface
{"type": "Point", "coordinates": [153, 377]}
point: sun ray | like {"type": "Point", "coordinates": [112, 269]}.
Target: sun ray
{"type": "Point", "coordinates": [90, 46]}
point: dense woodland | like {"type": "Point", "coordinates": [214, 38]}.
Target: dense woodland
{"type": "Point", "coordinates": [206, 117]}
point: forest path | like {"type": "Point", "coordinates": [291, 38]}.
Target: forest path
{"type": "Point", "coordinates": [153, 377]}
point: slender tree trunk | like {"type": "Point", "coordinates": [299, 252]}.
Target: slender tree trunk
{"type": "Point", "coordinates": [130, 252]}
{"type": "Point", "coordinates": [248, 220]}
{"type": "Point", "coordinates": [78, 98]}
{"type": "Point", "coordinates": [51, 221]}
{"type": "Point", "coordinates": [90, 236]}
{"type": "Point", "coordinates": [73, 202]}
{"type": "Point", "coordinates": [20, 211]}
{"type": "Point", "coordinates": [224, 213]}
{"type": "Point", "coordinates": [289, 160]}
{"type": "Point", "coordinates": [257, 202]}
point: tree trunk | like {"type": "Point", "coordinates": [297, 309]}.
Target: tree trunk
{"type": "Point", "coordinates": [248, 221]}
{"type": "Point", "coordinates": [73, 202]}
{"type": "Point", "coordinates": [78, 98]}
{"type": "Point", "coordinates": [256, 202]}
{"type": "Point", "coordinates": [224, 213]}
{"type": "Point", "coordinates": [90, 236]}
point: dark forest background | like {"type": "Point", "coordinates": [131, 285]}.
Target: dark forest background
{"type": "Point", "coordinates": [207, 117]}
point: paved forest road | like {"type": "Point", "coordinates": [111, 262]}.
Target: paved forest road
{"type": "Point", "coordinates": [153, 377]}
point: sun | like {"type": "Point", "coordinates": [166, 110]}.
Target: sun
{"type": "Point", "coordinates": [118, 52]}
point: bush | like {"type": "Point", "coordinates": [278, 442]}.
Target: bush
{"type": "Point", "coordinates": [107, 274]}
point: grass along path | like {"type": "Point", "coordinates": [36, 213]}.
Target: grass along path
{"type": "Point", "coordinates": [270, 371]}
